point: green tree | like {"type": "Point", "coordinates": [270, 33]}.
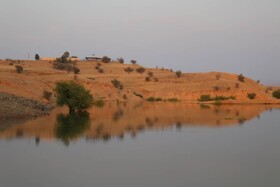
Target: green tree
{"type": "Point", "coordinates": [120, 60]}
{"type": "Point", "coordinates": [106, 59]}
{"type": "Point", "coordinates": [133, 61]}
{"type": "Point", "coordinates": [37, 57]}
{"type": "Point", "coordinates": [140, 70]}
{"type": "Point", "coordinates": [74, 95]}
{"type": "Point", "coordinates": [241, 78]}
{"type": "Point", "coordinates": [251, 96]}
{"type": "Point", "coordinates": [276, 94]}
{"type": "Point", "coordinates": [178, 74]}
{"type": "Point", "coordinates": [128, 70]}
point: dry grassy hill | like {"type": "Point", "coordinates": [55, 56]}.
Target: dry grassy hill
{"type": "Point", "coordinates": [38, 76]}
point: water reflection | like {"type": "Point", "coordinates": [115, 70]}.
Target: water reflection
{"type": "Point", "coordinates": [71, 126]}
{"type": "Point", "coordinates": [119, 120]}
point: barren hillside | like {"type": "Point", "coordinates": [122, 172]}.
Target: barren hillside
{"type": "Point", "coordinates": [38, 76]}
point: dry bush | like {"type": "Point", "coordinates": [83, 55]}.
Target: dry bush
{"type": "Point", "coordinates": [19, 69]}
{"type": "Point", "coordinates": [128, 70]}
{"type": "Point", "coordinates": [140, 70]}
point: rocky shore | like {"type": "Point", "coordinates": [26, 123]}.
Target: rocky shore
{"type": "Point", "coordinates": [14, 108]}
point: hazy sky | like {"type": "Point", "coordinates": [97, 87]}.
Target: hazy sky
{"type": "Point", "coordinates": [239, 36]}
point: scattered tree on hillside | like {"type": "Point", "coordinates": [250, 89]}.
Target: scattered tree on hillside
{"type": "Point", "coordinates": [117, 84]}
{"type": "Point", "coordinates": [150, 74]}
{"type": "Point", "coordinates": [120, 60]}
{"type": "Point", "coordinates": [133, 61]}
{"type": "Point", "coordinates": [241, 78]}
{"type": "Point", "coordinates": [251, 95]}
{"type": "Point", "coordinates": [218, 76]}
{"type": "Point", "coordinates": [75, 70]}
{"type": "Point", "coordinates": [178, 74]}
{"type": "Point", "coordinates": [128, 70]}
{"type": "Point", "coordinates": [140, 70]}
{"type": "Point", "coordinates": [19, 69]}
{"type": "Point", "coordinates": [74, 95]}
{"type": "Point", "coordinates": [106, 59]}
{"type": "Point", "coordinates": [37, 57]}
{"type": "Point", "coordinates": [276, 94]}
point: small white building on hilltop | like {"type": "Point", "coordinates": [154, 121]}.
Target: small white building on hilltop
{"type": "Point", "coordinates": [93, 58]}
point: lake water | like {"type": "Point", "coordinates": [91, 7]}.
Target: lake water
{"type": "Point", "coordinates": [145, 144]}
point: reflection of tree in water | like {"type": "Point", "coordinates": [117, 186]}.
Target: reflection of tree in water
{"type": "Point", "coordinates": [71, 125]}
{"type": "Point", "coordinates": [118, 114]}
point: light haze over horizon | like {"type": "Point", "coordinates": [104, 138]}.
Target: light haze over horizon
{"type": "Point", "coordinates": [241, 36]}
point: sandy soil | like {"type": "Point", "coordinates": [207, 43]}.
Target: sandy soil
{"type": "Point", "coordinates": [38, 76]}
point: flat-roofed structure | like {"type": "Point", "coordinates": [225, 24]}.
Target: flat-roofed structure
{"type": "Point", "coordinates": [93, 58]}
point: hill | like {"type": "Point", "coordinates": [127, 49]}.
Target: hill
{"type": "Point", "coordinates": [40, 76]}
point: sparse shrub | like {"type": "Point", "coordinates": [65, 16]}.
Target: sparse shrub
{"type": "Point", "coordinates": [120, 60]}
{"type": "Point", "coordinates": [138, 95]}
{"type": "Point", "coordinates": [117, 84]}
{"type": "Point", "coordinates": [128, 70]}
{"type": "Point", "coordinates": [216, 88]}
{"type": "Point", "coordinates": [47, 95]}
{"type": "Point", "coordinates": [205, 98]}
{"type": "Point", "coordinates": [59, 66]}
{"type": "Point", "coordinates": [140, 70]}
{"type": "Point", "coordinates": [251, 95]}
{"type": "Point", "coordinates": [241, 78]}
{"type": "Point", "coordinates": [228, 88]}
{"type": "Point", "coordinates": [124, 97]}
{"type": "Point", "coordinates": [150, 74]}
{"type": "Point", "coordinates": [133, 61]}
{"type": "Point", "coordinates": [276, 94]}
{"type": "Point", "coordinates": [236, 85]}
{"type": "Point", "coordinates": [217, 98]}
{"type": "Point", "coordinates": [147, 79]}
{"type": "Point", "coordinates": [19, 69]}
{"type": "Point", "coordinates": [155, 79]}
{"type": "Point", "coordinates": [100, 70]}
{"type": "Point", "coordinates": [68, 67]}
{"type": "Point", "coordinates": [218, 76]}
{"type": "Point", "coordinates": [106, 59]}
{"type": "Point", "coordinates": [74, 95]}
{"type": "Point", "coordinates": [76, 70]}
{"type": "Point", "coordinates": [258, 81]}
{"type": "Point", "coordinates": [153, 99]}
{"type": "Point", "coordinates": [178, 74]}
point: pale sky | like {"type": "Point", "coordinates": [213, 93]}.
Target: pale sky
{"type": "Point", "coordinates": [238, 36]}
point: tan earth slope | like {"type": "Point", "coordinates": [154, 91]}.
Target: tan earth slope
{"type": "Point", "coordinates": [39, 76]}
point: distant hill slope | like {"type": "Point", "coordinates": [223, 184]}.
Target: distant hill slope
{"type": "Point", "coordinates": [38, 76]}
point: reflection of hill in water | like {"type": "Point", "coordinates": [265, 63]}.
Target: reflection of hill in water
{"type": "Point", "coordinates": [116, 120]}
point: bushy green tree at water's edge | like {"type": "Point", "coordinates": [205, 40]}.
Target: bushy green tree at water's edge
{"type": "Point", "coordinates": [74, 95]}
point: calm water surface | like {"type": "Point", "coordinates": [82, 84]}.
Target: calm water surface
{"type": "Point", "coordinates": [146, 144]}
